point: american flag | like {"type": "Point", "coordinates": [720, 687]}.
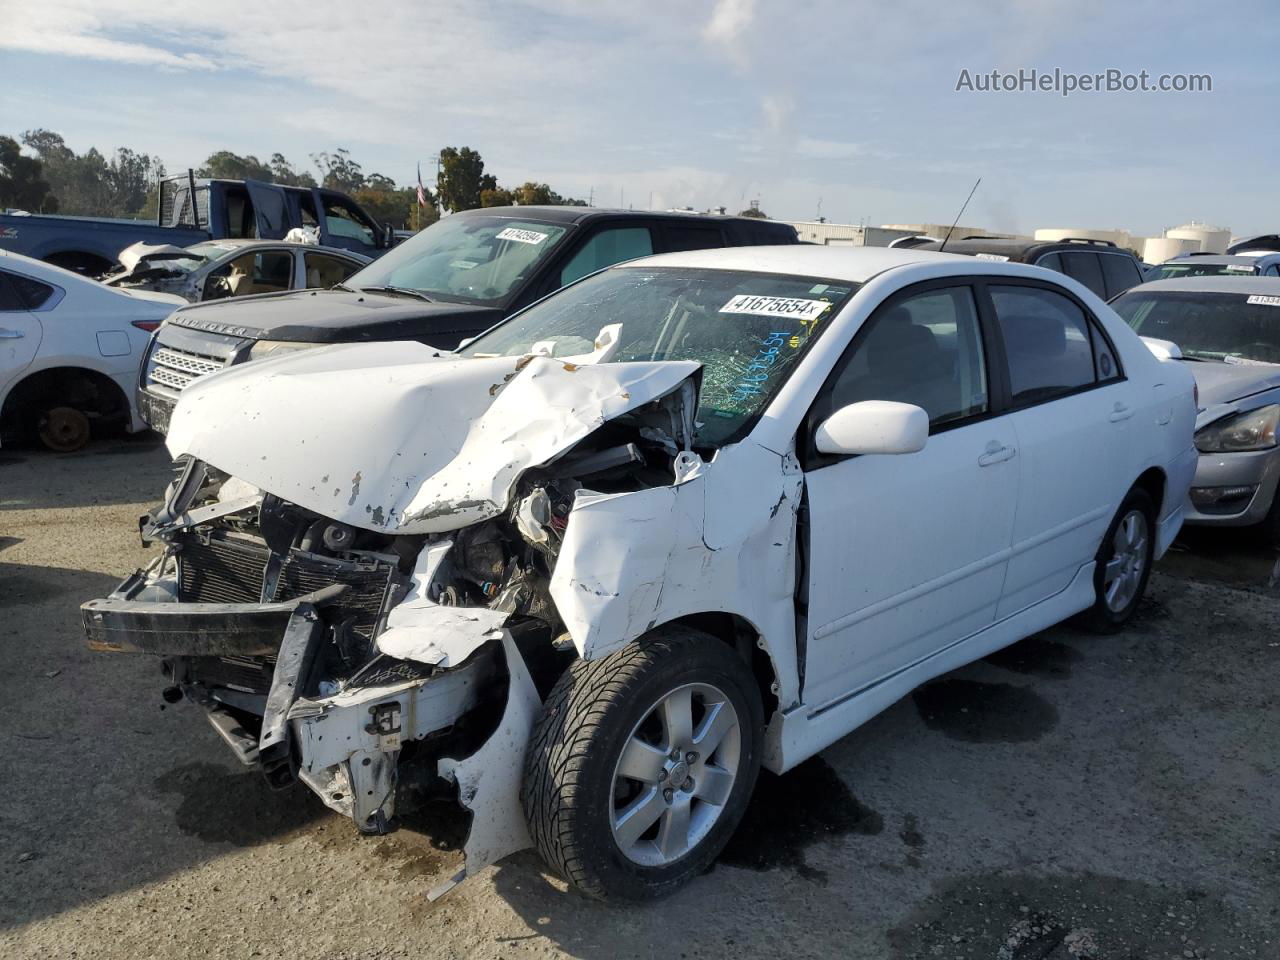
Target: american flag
{"type": "Point", "coordinates": [422, 192]}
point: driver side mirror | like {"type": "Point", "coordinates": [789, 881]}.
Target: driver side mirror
{"type": "Point", "coordinates": [873, 426]}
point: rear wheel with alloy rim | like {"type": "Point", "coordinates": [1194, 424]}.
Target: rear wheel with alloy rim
{"type": "Point", "coordinates": [642, 764]}
{"type": "Point", "coordinates": [1123, 563]}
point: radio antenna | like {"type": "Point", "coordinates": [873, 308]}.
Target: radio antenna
{"type": "Point", "coordinates": [960, 214]}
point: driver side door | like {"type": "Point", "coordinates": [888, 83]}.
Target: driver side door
{"type": "Point", "coordinates": [907, 553]}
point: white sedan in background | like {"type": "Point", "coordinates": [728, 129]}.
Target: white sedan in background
{"type": "Point", "coordinates": [69, 351]}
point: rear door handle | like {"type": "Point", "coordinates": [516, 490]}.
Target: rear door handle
{"type": "Point", "coordinates": [1121, 411]}
{"type": "Point", "coordinates": [11, 334]}
{"type": "Point", "coordinates": [996, 453]}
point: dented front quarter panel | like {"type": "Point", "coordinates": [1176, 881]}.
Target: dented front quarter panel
{"type": "Point", "coordinates": [395, 438]}
{"type": "Point", "coordinates": [720, 540]}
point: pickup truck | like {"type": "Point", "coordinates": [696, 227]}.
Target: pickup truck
{"type": "Point", "coordinates": [192, 210]}
{"type": "Point", "coordinates": [452, 281]}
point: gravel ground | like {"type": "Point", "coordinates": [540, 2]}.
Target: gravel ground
{"type": "Point", "coordinates": [1073, 796]}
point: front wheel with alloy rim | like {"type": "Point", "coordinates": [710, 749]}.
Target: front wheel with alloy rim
{"type": "Point", "coordinates": [642, 764]}
{"type": "Point", "coordinates": [1123, 563]}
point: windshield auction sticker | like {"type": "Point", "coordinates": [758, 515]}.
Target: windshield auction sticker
{"type": "Point", "coordinates": [796, 308]}
{"type": "Point", "coordinates": [1266, 301]}
{"type": "Point", "coordinates": [521, 236]}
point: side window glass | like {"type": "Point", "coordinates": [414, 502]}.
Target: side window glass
{"type": "Point", "coordinates": [325, 271]}
{"type": "Point", "coordinates": [1083, 266]}
{"type": "Point", "coordinates": [691, 236]}
{"type": "Point", "coordinates": [272, 271]}
{"type": "Point", "coordinates": [31, 293]}
{"type": "Point", "coordinates": [926, 350]}
{"type": "Point", "coordinates": [1046, 341]}
{"type": "Point", "coordinates": [1051, 261]}
{"type": "Point", "coordinates": [9, 301]}
{"type": "Point", "coordinates": [1118, 272]}
{"type": "Point", "coordinates": [342, 221]}
{"type": "Point", "coordinates": [606, 248]}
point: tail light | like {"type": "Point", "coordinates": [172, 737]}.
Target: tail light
{"type": "Point", "coordinates": [148, 325]}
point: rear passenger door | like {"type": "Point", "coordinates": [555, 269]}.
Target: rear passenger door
{"type": "Point", "coordinates": [1119, 273]}
{"type": "Point", "coordinates": [1072, 414]}
{"type": "Point", "coordinates": [1082, 265]}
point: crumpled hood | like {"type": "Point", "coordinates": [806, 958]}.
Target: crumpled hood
{"type": "Point", "coordinates": [135, 253]}
{"type": "Point", "coordinates": [394, 437]}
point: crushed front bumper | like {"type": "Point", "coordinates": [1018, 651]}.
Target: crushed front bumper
{"type": "Point", "coordinates": [343, 739]}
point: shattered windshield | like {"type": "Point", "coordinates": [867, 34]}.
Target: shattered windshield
{"type": "Point", "coordinates": [1230, 327]}
{"type": "Point", "coordinates": [474, 259]}
{"type": "Point", "coordinates": [748, 330]}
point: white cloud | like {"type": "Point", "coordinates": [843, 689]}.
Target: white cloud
{"type": "Point", "coordinates": [730, 20]}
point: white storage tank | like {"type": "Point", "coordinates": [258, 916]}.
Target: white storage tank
{"type": "Point", "coordinates": [1210, 239]}
{"type": "Point", "coordinates": [1160, 249]}
{"type": "Point", "coordinates": [1052, 234]}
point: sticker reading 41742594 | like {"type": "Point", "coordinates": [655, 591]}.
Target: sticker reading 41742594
{"type": "Point", "coordinates": [520, 235]}
{"type": "Point", "coordinates": [797, 308]}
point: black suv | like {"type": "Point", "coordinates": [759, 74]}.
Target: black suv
{"type": "Point", "coordinates": [448, 283]}
{"type": "Point", "coordinates": [1098, 264]}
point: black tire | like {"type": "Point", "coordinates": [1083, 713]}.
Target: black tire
{"type": "Point", "coordinates": [589, 716]}
{"type": "Point", "coordinates": [1101, 618]}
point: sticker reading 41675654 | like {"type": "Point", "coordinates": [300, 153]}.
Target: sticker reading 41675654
{"type": "Point", "coordinates": [521, 236]}
{"type": "Point", "coordinates": [797, 308]}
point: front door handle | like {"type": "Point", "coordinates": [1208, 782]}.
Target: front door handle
{"type": "Point", "coordinates": [996, 453]}
{"type": "Point", "coordinates": [11, 334]}
{"type": "Point", "coordinates": [1121, 411]}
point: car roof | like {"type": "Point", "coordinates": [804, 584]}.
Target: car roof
{"type": "Point", "coordinates": [578, 215]}
{"type": "Point", "coordinates": [1244, 286]}
{"type": "Point", "coordinates": [853, 264]}
{"type": "Point", "coordinates": [1016, 249]}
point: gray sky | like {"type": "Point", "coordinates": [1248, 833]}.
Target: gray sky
{"type": "Point", "coordinates": [703, 102]}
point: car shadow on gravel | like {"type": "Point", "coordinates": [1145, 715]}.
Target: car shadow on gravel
{"type": "Point", "coordinates": [130, 469]}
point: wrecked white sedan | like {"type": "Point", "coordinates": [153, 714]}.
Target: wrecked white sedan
{"type": "Point", "coordinates": [689, 516]}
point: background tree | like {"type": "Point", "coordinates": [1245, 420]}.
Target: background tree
{"type": "Point", "coordinates": [462, 179]}
{"type": "Point", "coordinates": [22, 183]}
{"type": "Point", "coordinates": [339, 172]}
{"type": "Point", "coordinates": [754, 212]}
{"type": "Point", "coordinates": [282, 172]}
{"type": "Point", "coordinates": [225, 165]}
{"type": "Point", "coordinates": [131, 178]}
{"type": "Point", "coordinates": [89, 184]}
{"type": "Point", "coordinates": [496, 197]}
